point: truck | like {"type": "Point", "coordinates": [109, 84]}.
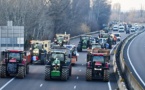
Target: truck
{"type": "Point", "coordinates": [62, 39]}
{"type": "Point", "coordinates": [59, 64]}
{"type": "Point", "coordinates": [74, 53]}
{"type": "Point", "coordinates": [97, 66]}
{"type": "Point", "coordinates": [39, 50]}
{"type": "Point", "coordinates": [14, 63]}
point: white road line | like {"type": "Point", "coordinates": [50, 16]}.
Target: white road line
{"type": "Point", "coordinates": [7, 83]}
{"type": "Point", "coordinates": [80, 70]}
{"type": "Point", "coordinates": [77, 77]}
{"type": "Point", "coordinates": [82, 64]}
{"type": "Point", "coordinates": [75, 87]}
{"type": "Point", "coordinates": [132, 64]}
{"type": "Point", "coordinates": [41, 85]}
{"type": "Point", "coordinates": [109, 85]}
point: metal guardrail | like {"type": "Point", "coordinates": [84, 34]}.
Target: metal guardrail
{"type": "Point", "coordinates": [85, 34]}
{"type": "Point", "coordinates": [126, 79]}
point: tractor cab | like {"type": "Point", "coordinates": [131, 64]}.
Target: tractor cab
{"type": "Point", "coordinates": [13, 56]}
{"type": "Point", "coordinates": [62, 39]}
{"type": "Point", "coordinates": [14, 63]}
{"type": "Point", "coordinates": [84, 42]}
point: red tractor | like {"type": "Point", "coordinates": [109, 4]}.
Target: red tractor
{"type": "Point", "coordinates": [97, 66]}
{"type": "Point", "coordinates": [14, 63]}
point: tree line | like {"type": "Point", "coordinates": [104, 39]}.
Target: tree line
{"type": "Point", "coordinates": [42, 19]}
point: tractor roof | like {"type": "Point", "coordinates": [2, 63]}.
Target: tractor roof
{"type": "Point", "coordinates": [97, 51]}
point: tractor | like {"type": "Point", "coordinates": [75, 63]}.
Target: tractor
{"type": "Point", "coordinates": [58, 65]}
{"type": "Point", "coordinates": [62, 39]}
{"type": "Point", "coordinates": [14, 63]}
{"type": "Point", "coordinates": [97, 66]}
{"type": "Point", "coordinates": [38, 53]}
{"type": "Point", "coordinates": [84, 42]}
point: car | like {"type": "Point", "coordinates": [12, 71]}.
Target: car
{"type": "Point", "coordinates": [132, 29]}
{"type": "Point", "coordinates": [115, 28]}
{"type": "Point", "coordinates": [121, 29]}
{"type": "Point", "coordinates": [117, 36]}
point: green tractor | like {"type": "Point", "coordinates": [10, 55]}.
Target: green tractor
{"type": "Point", "coordinates": [58, 66]}
{"type": "Point", "coordinates": [84, 42]}
{"type": "Point", "coordinates": [38, 54]}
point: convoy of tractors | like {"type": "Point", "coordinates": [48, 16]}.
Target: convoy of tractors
{"type": "Point", "coordinates": [59, 57]}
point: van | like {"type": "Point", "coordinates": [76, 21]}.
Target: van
{"type": "Point", "coordinates": [115, 28]}
{"type": "Point", "coordinates": [121, 29]}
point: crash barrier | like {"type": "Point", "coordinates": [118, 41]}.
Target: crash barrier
{"type": "Point", "coordinates": [90, 33]}
{"type": "Point", "coordinates": [126, 79]}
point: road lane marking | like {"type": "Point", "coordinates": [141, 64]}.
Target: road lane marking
{"type": "Point", "coordinates": [82, 64]}
{"type": "Point", "coordinates": [80, 70]}
{"type": "Point", "coordinates": [41, 85]}
{"type": "Point", "coordinates": [109, 85]}
{"type": "Point", "coordinates": [75, 87]}
{"type": "Point", "coordinates": [7, 83]}
{"type": "Point", "coordinates": [132, 64]}
{"type": "Point", "coordinates": [77, 77]}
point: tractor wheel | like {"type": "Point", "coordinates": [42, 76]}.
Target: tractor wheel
{"type": "Point", "coordinates": [106, 76]}
{"type": "Point", "coordinates": [89, 74]}
{"type": "Point", "coordinates": [64, 74]}
{"type": "Point", "coordinates": [47, 73]}
{"type": "Point", "coordinates": [21, 72]}
{"type": "Point", "coordinates": [27, 69]}
{"type": "Point", "coordinates": [3, 73]}
{"type": "Point", "coordinates": [79, 48]}
{"type": "Point", "coordinates": [70, 71]}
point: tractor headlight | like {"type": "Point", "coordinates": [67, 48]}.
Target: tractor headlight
{"type": "Point", "coordinates": [36, 51]}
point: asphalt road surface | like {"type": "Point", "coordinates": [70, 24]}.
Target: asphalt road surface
{"type": "Point", "coordinates": [35, 79]}
{"type": "Point", "coordinates": [135, 57]}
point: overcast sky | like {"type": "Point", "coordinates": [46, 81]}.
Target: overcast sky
{"type": "Point", "coordinates": [127, 5]}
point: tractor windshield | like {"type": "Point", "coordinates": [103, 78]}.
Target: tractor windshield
{"type": "Point", "coordinates": [60, 56]}
{"type": "Point", "coordinates": [14, 55]}
{"type": "Point", "coordinates": [60, 38]}
{"type": "Point", "coordinates": [98, 58]}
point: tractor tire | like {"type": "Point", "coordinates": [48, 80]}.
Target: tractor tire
{"type": "Point", "coordinates": [47, 73]}
{"type": "Point", "coordinates": [79, 48]}
{"type": "Point", "coordinates": [70, 71]}
{"type": "Point", "coordinates": [3, 73]}
{"type": "Point", "coordinates": [106, 76]}
{"type": "Point", "coordinates": [27, 69]}
{"type": "Point", "coordinates": [65, 74]}
{"type": "Point", "coordinates": [89, 74]}
{"type": "Point", "coordinates": [21, 72]}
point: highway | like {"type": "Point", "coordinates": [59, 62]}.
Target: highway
{"type": "Point", "coordinates": [35, 79]}
{"type": "Point", "coordinates": [134, 55]}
